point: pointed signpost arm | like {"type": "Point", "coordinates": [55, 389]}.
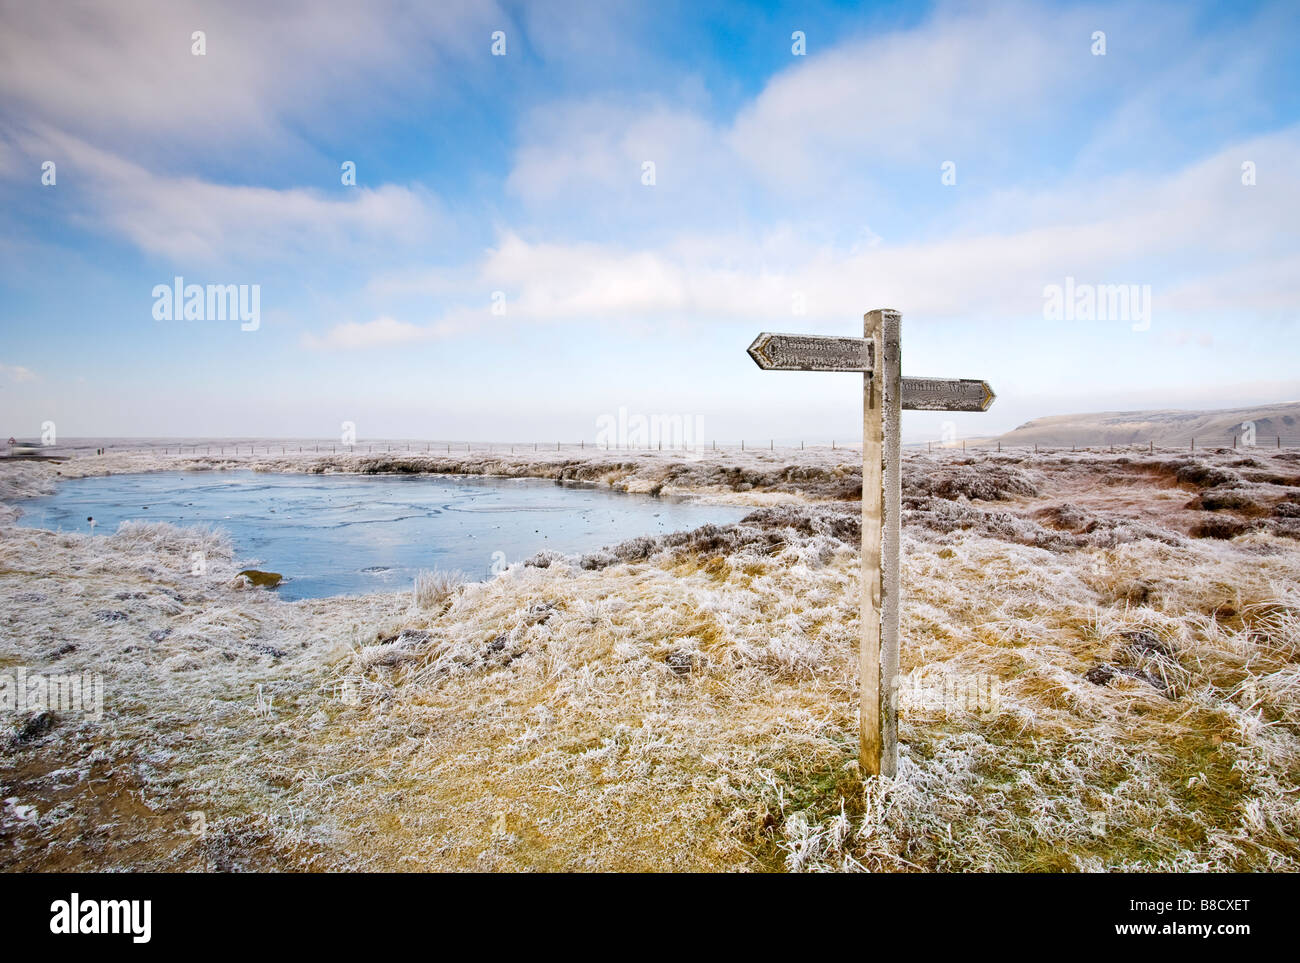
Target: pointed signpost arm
{"type": "Point", "coordinates": [946, 394]}
{"type": "Point", "coordinates": [809, 352]}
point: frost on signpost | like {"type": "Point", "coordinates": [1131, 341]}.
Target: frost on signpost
{"type": "Point", "coordinates": [885, 393]}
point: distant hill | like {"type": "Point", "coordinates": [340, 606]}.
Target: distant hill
{"type": "Point", "coordinates": [1171, 429]}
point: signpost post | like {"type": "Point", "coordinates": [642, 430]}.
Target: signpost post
{"type": "Point", "coordinates": [885, 393]}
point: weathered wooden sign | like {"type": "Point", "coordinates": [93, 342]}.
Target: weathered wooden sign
{"type": "Point", "coordinates": [818, 352]}
{"type": "Point", "coordinates": [811, 352]}
{"type": "Point", "coordinates": [885, 393]}
{"type": "Point", "coordinates": [946, 394]}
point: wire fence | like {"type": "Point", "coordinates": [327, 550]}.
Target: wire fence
{"type": "Point", "coordinates": [449, 448]}
{"type": "Point", "coordinates": [1274, 442]}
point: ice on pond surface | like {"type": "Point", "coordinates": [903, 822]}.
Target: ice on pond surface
{"type": "Point", "coordinates": [352, 534]}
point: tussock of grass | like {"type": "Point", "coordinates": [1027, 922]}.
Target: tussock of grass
{"type": "Point", "coordinates": [433, 589]}
{"type": "Point", "coordinates": [985, 479]}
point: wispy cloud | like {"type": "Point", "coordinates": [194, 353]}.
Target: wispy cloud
{"type": "Point", "coordinates": [190, 220]}
{"type": "Point", "coordinates": [789, 192]}
{"type": "Point", "coordinates": [381, 332]}
{"type": "Point", "coordinates": [123, 75]}
{"type": "Point", "coordinates": [968, 77]}
{"type": "Point", "coordinates": [1164, 230]}
{"type": "Point", "coordinates": [16, 373]}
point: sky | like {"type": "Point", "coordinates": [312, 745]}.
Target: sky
{"type": "Point", "coordinates": [564, 210]}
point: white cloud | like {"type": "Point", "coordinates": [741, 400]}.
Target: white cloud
{"type": "Point", "coordinates": [601, 146]}
{"type": "Point", "coordinates": [1180, 338]}
{"type": "Point", "coordinates": [1266, 283]}
{"type": "Point", "coordinates": [187, 219]}
{"type": "Point", "coordinates": [17, 374]}
{"type": "Point", "coordinates": [381, 332]}
{"type": "Point", "coordinates": [123, 75]}
{"type": "Point", "coordinates": [1168, 231]}
{"type": "Point", "coordinates": [965, 79]}
{"type": "Point", "coordinates": [844, 139]}
{"type": "Point", "coordinates": [965, 76]}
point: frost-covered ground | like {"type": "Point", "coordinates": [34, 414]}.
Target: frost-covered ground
{"type": "Point", "coordinates": [1101, 657]}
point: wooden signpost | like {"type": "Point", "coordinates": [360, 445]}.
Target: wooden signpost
{"type": "Point", "coordinates": [885, 393]}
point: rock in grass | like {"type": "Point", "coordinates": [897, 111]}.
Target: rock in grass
{"type": "Point", "coordinates": [1145, 642]}
{"type": "Point", "coordinates": [684, 663]}
{"type": "Point", "coordinates": [1219, 527]}
{"type": "Point", "coordinates": [262, 579]}
{"type": "Point", "coordinates": [34, 727]}
{"type": "Point", "coordinates": [1105, 672]}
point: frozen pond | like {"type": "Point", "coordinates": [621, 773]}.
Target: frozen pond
{"type": "Point", "coordinates": [349, 535]}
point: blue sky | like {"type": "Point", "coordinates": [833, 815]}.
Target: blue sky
{"type": "Point", "coordinates": [779, 180]}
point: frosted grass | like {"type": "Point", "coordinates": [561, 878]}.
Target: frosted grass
{"type": "Point", "coordinates": [690, 703]}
